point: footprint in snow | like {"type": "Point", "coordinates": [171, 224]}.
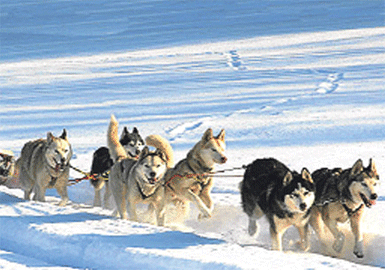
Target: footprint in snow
{"type": "Point", "coordinates": [234, 60]}
{"type": "Point", "coordinates": [330, 85]}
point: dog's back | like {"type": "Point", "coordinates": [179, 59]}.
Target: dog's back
{"type": "Point", "coordinates": [31, 162]}
{"type": "Point", "coordinates": [258, 177]}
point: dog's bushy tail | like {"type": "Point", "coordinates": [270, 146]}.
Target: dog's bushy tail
{"type": "Point", "coordinates": [117, 151]}
{"type": "Point", "coordinates": [162, 144]}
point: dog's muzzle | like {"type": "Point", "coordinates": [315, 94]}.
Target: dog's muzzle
{"type": "Point", "coordinates": [60, 166]}
{"type": "Point", "coordinates": [369, 201]}
{"type": "Point", "coordinates": [152, 179]}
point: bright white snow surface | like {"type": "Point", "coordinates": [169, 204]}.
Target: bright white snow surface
{"type": "Point", "coordinates": [301, 81]}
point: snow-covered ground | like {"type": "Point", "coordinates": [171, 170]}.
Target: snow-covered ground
{"type": "Point", "coordinates": [301, 81]}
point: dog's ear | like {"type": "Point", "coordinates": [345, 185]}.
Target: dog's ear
{"type": "Point", "coordinates": [357, 168]}
{"type": "Point", "coordinates": [208, 135]}
{"type": "Point", "coordinates": [125, 131]}
{"type": "Point", "coordinates": [135, 130]}
{"type": "Point", "coordinates": [50, 137]}
{"type": "Point", "coordinates": [144, 153]}
{"type": "Point", "coordinates": [306, 175]}
{"type": "Point", "coordinates": [221, 135]}
{"type": "Point", "coordinates": [372, 167]}
{"type": "Point", "coordinates": [161, 154]}
{"type": "Point", "coordinates": [287, 179]}
{"type": "Point", "coordinates": [64, 135]}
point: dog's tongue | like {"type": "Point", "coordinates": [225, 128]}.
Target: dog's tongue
{"type": "Point", "coordinates": [373, 202]}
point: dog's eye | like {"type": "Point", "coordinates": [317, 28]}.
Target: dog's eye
{"type": "Point", "coordinates": [132, 144]}
{"type": "Point", "coordinates": [57, 152]}
{"type": "Point", "coordinates": [214, 150]}
{"type": "Point", "coordinates": [306, 193]}
{"type": "Point", "coordinates": [147, 166]}
{"type": "Point", "coordinates": [364, 184]}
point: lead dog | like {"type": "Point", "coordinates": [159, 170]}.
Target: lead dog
{"type": "Point", "coordinates": [270, 188]}
{"type": "Point", "coordinates": [342, 196]}
{"type": "Point", "coordinates": [189, 180]}
{"type": "Point", "coordinates": [43, 164]}
{"type": "Point", "coordinates": [138, 181]}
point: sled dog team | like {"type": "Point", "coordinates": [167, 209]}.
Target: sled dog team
{"type": "Point", "coordinates": [138, 174]}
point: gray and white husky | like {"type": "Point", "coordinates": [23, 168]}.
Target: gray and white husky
{"type": "Point", "coordinates": [138, 181]}
{"type": "Point", "coordinates": [270, 188]}
{"type": "Point", "coordinates": [102, 162]}
{"type": "Point", "coordinates": [43, 164]}
{"type": "Point", "coordinates": [342, 196]}
{"type": "Point", "coordinates": [190, 179]}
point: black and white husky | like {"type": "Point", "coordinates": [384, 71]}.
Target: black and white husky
{"type": "Point", "coordinates": [102, 162]}
{"type": "Point", "coordinates": [285, 197]}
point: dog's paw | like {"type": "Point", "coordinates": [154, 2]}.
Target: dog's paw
{"type": "Point", "coordinates": [253, 228]}
{"type": "Point", "coordinates": [358, 250]}
{"type": "Point", "coordinates": [63, 203]}
{"type": "Point", "coordinates": [339, 242]}
{"type": "Point", "coordinates": [204, 215]}
{"type": "Point", "coordinates": [303, 245]}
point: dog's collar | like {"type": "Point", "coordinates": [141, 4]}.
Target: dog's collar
{"type": "Point", "coordinates": [144, 196]}
{"type": "Point", "coordinates": [350, 211]}
{"type": "Point", "coordinates": [199, 166]}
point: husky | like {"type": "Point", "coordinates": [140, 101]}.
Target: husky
{"type": "Point", "coordinates": [102, 162]}
{"type": "Point", "coordinates": [342, 196]}
{"type": "Point", "coordinates": [285, 197]}
{"type": "Point", "coordinates": [189, 180]}
{"type": "Point", "coordinates": [44, 163]}
{"type": "Point", "coordinates": [7, 165]}
{"type": "Point", "coordinates": [138, 181]}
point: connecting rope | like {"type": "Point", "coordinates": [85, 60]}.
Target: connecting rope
{"type": "Point", "coordinates": [104, 175]}
{"type": "Point", "coordinates": [87, 176]}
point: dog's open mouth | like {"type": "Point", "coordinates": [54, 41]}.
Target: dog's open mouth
{"type": "Point", "coordinates": [368, 203]}
{"type": "Point", "coordinates": [152, 180]}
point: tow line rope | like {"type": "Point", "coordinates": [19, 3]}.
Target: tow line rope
{"type": "Point", "coordinates": [87, 176]}
{"type": "Point", "coordinates": [104, 175]}
{"type": "Point", "coordinates": [209, 174]}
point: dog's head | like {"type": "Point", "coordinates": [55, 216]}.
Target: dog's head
{"type": "Point", "coordinates": [213, 148]}
{"type": "Point", "coordinates": [364, 183]}
{"type": "Point", "coordinates": [151, 166]}
{"type": "Point", "coordinates": [132, 142]}
{"type": "Point", "coordinates": [298, 191]}
{"type": "Point", "coordinates": [7, 162]}
{"type": "Point", "coordinates": [59, 151]}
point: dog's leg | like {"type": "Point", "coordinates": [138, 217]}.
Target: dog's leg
{"type": "Point", "coordinates": [97, 199]}
{"type": "Point", "coordinates": [276, 239]}
{"type": "Point", "coordinates": [277, 229]}
{"type": "Point", "coordinates": [62, 190]}
{"type": "Point", "coordinates": [27, 194]}
{"type": "Point", "coordinates": [191, 196]}
{"type": "Point", "coordinates": [304, 236]}
{"type": "Point", "coordinates": [121, 204]}
{"type": "Point", "coordinates": [107, 196]}
{"type": "Point", "coordinates": [318, 226]}
{"type": "Point", "coordinates": [338, 236]}
{"type": "Point", "coordinates": [160, 213]}
{"type": "Point", "coordinates": [132, 210]}
{"type": "Point", "coordinates": [39, 193]}
{"type": "Point", "coordinates": [355, 223]}
{"type": "Point", "coordinates": [253, 226]}
{"type": "Point", "coordinates": [206, 197]}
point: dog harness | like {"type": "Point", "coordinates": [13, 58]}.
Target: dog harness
{"type": "Point", "coordinates": [351, 212]}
